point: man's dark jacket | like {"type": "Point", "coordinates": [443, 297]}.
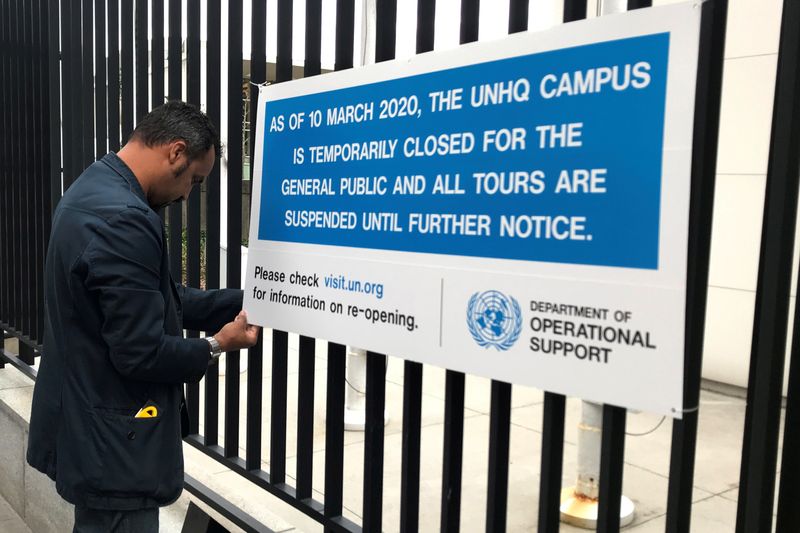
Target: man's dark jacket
{"type": "Point", "coordinates": [113, 344]}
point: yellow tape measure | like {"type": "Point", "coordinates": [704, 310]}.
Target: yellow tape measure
{"type": "Point", "coordinates": [149, 411]}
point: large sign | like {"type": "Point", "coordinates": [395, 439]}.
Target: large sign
{"type": "Point", "coordinates": [515, 209]}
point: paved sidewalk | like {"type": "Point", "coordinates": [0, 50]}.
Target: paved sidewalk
{"type": "Point", "coordinates": [9, 521]}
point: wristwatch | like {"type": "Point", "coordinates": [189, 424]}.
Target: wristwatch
{"type": "Point", "coordinates": [215, 350]}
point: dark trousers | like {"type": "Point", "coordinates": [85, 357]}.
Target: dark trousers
{"type": "Point", "coordinates": [101, 521]}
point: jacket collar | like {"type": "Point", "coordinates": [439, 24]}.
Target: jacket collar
{"type": "Point", "coordinates": [118, 165]}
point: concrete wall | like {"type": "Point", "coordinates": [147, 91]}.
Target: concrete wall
{"type": "Point", "coordinates": [748, 90]}
{"type": "Point", "coordinates": [31, 494]}
{"type": "Point", "coordinates": [33, 497]}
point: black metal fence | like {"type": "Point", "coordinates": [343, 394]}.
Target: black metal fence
{"type": "Point", "coordinates": [75, 77]}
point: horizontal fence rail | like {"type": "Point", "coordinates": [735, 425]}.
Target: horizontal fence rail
{"type": "Point", "coordinates": [76, 76]}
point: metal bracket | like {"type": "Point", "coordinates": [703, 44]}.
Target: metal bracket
{"type": "Point", "coordinates": [198, 521]}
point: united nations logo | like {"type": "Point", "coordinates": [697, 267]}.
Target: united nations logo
{"type": "Point", "coordinates": [494, 319]}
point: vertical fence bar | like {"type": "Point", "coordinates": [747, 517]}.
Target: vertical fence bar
{"type": "Point", "coordinates": [234, 255]}
{"type": "Point", "coordinates": [157, 67]}
{"type": "Point", "coordinates": [788, 133]}
{"type": "Point", "coordinates": [518, 16]}
{"type": "Point", "coordinates": [334, 407]}
{"type": "Point", "coordinates": [412, 424]}
{"type": "Point", "coordinates": [5, 133]}
{"type": "Point", "coordinates": [16, 230]}
{"type": "Point", "coordinates": [277, 438]}
{"type": "Point", "coordinates": [554, 408]}
{"type": "Point", "coordinates": [114, 134]}
{"type": "Point", "coordinates": [87, 87]}
{"type": "Point", "coordinates": [40, 177]}
{"type": "Point", "coordinates": [305, 388]}
{"type": "Point", "coordinates": [213, 89]}
{"type": "Point", "coordinates": [313, 38]}
{"type": "Point", "coordinates": [305, 399]}
{"type": "Point", "coordinates": [426, 24]}
{"type": "Point", "coordinates": [35, 173]}
{"type": "Point", "coordinates": [305, 418]}
{"type": "Point", "coordinates": [277, 449]}
{"type": "Point", "coordinates": [612, 459]}
{"type": "Point", "coordinates": [454, 381]}
{"type": "Point", "coordinates": [574, 10]}
{"type": "Point", "coordinates": [283, 67]}
{"type": "Point", "coordinates": [277, 467]}
{"type": "Point", "coordinates": [54, 106]}
{"type": "Point", "coordinates": [255, 362]}
{"type": "Point", "coordinates": [334, 415]}
{"type": "Point", "coordinates": [28, 169]}
{"type": "Point", "coordinates": [18, 162]}
{"type": "Point", "coordinates": [704, 157]}
{"type": "Point", "coordinates": [175, 92]}
{"type": "Point", "coordinates": [14, 157]}
{"type": "Point", "coordinates": [14, 226]}
{"type": "Point", "coordinates": [499, 443]}
{"type": "Point", "coordinates": [26, 173]}
{"type": "Point", "coordinates": [100, 90]}
{"type": "Point", "coordinates": [412, 378]}
{"type": "Point", "coordinates": [500, 421]}
{"type": "Point", "coordinates": [28, 207]}
{"type": "Point", "coordinates": [6, 245]}
{"type": "Point", "coordinates": [127, 84]}
{"type": "Point", "coordinates": [258, 74]}
{"type": "Point", "coordinates": [67, 71]}
{"type": "Point", "coordinates": [552, 461]}
{"type": "Point", "coordinates": [142, 75]}
{"type": "Point", "coordinates": [7, 166]}
{"type": "Point", "coordinates": [18, 167]}
{"type": "Point", "coordinates": [29, 289]}
{"type": "Point", "coordinates": [258, 69]}
{"type": "Point", "coordinates": [412, 375]}
{"type": "Point", "coordinates": [157, 54]}
{"type": "Point", "coordinates": [762, 418]}
{"type": "Point", "coordinates": [22, 171]}
{"type": "Point", "coordinates": [345, 21]}
{"type": "Point", "coordinates": [453, 451]}
{"type": "Point", "coordinates": [193, 204]}
{"type": "Point", "coordinates": [126, 60]}
{"type": "Point", "coordinates": [373, 432]}
{"type": "Point", "coordinates": [638, 4]}
{"type": "Point", "coordinates": [385, 37]}
{"type": "Point", "coordinates": [385, 30]}
{"type": "Point", "coordinates": [43, 174]}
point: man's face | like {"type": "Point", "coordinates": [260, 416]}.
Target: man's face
{"type": "Point", "coordinates": [181, 174]}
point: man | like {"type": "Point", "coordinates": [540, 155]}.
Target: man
{"type": "Point", "coordinates": [106, 420]}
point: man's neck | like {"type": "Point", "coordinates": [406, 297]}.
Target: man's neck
{"type": "Point", "coordinates": [135, 156]}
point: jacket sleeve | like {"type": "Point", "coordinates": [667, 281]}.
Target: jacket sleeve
{"type": "Point", "coordinates": [123, 271]}
{"type": "Point", "coordinates": [209, 310]}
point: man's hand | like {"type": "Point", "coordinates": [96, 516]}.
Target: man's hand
{"type": "Point", "coordinates": [237, 334]}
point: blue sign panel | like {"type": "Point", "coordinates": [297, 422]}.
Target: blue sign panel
{"type": "Point", "coordinates": [553, 157]}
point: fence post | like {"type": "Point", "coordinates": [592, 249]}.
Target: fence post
{"type": "Point", "coordinates": [786, 136]}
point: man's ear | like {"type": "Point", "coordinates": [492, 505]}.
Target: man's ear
{"type": "Point", "coordinates": [177, 149]}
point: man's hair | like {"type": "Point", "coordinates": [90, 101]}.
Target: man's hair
{"type": "Point", "coordinates": [175, 121]}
